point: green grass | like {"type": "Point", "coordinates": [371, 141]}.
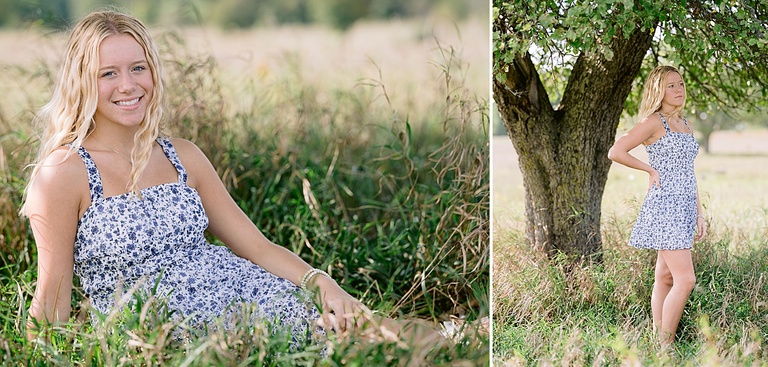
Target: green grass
{"type": "Point", "coordinates": [600, 314]}
{"type": "Point", "coordinates": [394, 205]}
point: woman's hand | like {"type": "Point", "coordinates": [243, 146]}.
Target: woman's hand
{"type": "Point", "coordinates": [701, 227]}
{"type": "Point", "coordinates": [653, 179]}
{"type": "Point", "coordinates": [341, 311]}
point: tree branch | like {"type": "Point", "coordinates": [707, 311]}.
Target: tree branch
{"type": "Point", "coordinates": [524, 83]}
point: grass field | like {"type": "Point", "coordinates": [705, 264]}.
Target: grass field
{"type": "Point", "coordinates": [364, 152]}
{"type": "Point", "coordinates": [600, 314]}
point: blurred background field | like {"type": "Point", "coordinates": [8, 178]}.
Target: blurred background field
{"type": "Point", "coordinates": [358, 141]}
{"type": "Point", "coordinates": [600, 314]}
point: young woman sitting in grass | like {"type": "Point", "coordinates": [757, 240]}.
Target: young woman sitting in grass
{"type": "Point", "coordinates": [125, 207]}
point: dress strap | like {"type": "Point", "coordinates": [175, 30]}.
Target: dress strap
{"type": "Point", "coordinates": [94, 178]}
{"type": "Point", "coordinates": [664, 121]}
{"type": "Point", "coordinates": [686, 125]}
{"type": "Point", "coordinates": [170, 152]}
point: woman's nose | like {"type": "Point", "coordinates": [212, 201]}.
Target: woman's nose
{"type": "Point", "coordinates": [127, 84]}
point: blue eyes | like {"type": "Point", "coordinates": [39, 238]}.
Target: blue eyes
{"type": "Point", "coordinates": [135, 69]}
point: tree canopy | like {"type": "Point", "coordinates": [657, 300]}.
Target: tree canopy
{"type": "Point", "coordinates": [721, 46]}
{"type": "Point", "coordinates": [565, 71]}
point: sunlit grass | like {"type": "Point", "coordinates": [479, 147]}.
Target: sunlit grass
{"type": "Point", "coordinates": [600, 314]}
{"type": "Point", "coordinates": [393, 204]}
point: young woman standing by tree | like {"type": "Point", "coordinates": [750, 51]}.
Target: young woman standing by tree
{"type": "Point", "coordinates": [671, 213]}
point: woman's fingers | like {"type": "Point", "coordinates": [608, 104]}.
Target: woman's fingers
{"type": "Point", "coordinates": [349, 318]}
{"type": "Point", "coordinates": [338, 315]}
{"type": "Point", "coordinates": [364, 316]}
{"type": "Point", "coordinates": [701, 228]}
{"type": "Point", "coordinates": [343, 316]}
{"type": "Point", "coordinates": [653, 180]}
{"type": "Point", "coordinates": [360, 315]}
{"type": "Point", "coordinates": [341, 312]}
{"type": "Point", "coordinates": [350, 311]}
{"type": "Point", "coordinates": [329, 319]}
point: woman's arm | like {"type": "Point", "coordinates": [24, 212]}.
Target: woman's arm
{"type": "Point", "coordinates": [646, 131]}
{"type": "Point", "coordinates": [233, 227]}
{"type": "Point", "coordinates": [701, 223]}
{"type": "Point", "coordinates": [53, 205]}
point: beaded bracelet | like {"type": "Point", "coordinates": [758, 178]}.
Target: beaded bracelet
{"type": "Point", "coordinates": [309, 275]}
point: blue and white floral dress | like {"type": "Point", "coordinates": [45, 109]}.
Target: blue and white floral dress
{"type": "Point", "coordinates": [125, 244]}
{"type": "Point", "coordinates": [667, 219]}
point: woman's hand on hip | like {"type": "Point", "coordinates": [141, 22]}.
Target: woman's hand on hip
{"type": "Point", "coordinates": [653, 179]}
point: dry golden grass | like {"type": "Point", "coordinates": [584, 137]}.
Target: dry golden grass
{"type": "Point", "coordinates": [395, 149]}
{"type": "Point", "coordinates": [405, 56]}
{"type": "Point", "coordinates": [600, 314]}
{"type": "Point", "coordinates": [732, 183]}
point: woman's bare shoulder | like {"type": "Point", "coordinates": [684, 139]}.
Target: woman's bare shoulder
{"type": "Point", "coordinates": [652, 121]}
{"type": "Point", "coordinates": [654, 129]}
{"type": "Point", "coordinates": [193, 159]}
{"type": "Point", "coordinates": [189, 152]}
{"type": "Point", "coordinates": [61, 173]}
{"type": "Point", "coordinates": [183, 146]}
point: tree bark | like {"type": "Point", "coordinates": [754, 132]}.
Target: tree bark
{"type": "Point", "coordinates": [705, 135]}
{"type": "Point", "coordinates": [563, 151]}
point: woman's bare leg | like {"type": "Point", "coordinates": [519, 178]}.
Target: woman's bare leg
{"type": "Point", "coordinates": [415, 332]}
{"type": "Point", "coordinates": [661, 286]}
{"type": "Point", "coordinates": [683, 279]}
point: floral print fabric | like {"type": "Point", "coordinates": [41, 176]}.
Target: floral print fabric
{"type": "Point", "coordinates": [128, 244]}
{"type": "Point", "coordinates": [667, 219]}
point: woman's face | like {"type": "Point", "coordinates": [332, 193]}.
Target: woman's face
{"type": "Point", "coordinates": [124, 81]}
{"type": "Point", "coordinates": [674, 90]}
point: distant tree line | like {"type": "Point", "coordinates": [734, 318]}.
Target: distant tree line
{"type": "Point", "coordinates": [236, 13]}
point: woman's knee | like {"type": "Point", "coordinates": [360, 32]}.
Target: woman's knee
{"type": "Point", "coordinates": [663, 277]}
{"type": "Point", "coordinates": [687, 281]}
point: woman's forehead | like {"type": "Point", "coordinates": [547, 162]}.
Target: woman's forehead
{"type": "Point", "coordinates": [120, 48]}
{"type": "Point", "coordinates": [673, 77]}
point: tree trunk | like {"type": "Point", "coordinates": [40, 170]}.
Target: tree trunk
{"type": "Point", "coordinates": [705, 140]}
{"type": "Point", "coordinates": [563, 151]}
{"type": "Point", "coordinates": [706, 127]}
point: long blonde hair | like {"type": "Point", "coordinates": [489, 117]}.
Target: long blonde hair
{"type": "Point", "coordinates": [653, 92]}
{"type": "Point", "coordinates": [68, 117]}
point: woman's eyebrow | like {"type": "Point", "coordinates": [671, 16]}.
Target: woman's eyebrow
{"type": "Point", "coordinates": [110, 66]}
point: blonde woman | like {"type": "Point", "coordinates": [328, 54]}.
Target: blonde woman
{"type": "Point", "coordinates": [671, 213]}
{"type": "Point", "coordinates": [125, 207]}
